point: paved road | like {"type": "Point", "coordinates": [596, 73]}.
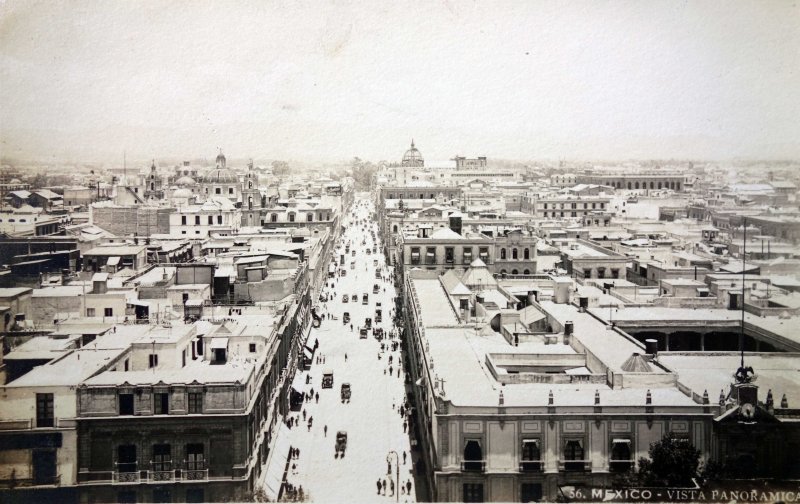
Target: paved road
{"type": "Point", "coordinates": [371, 419]}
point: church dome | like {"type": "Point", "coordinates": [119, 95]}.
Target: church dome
{"type": "Point", "coordinates": [185, 181]}
{"type": "Point", "coordinates": [413, 157]}
{"type": "Point", "coordinates": [182, 193]}
{"type": "Point", "coordinates": [220, 176]}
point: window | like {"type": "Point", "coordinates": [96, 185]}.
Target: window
{"type": "Point", "coordinates": [126, 458]}
{"type": "Point", "coordinates": [195, 400]}
{"type": "Point", "coordinates": [483, 253]}
{"type": "Point", "coordinates": [467, 255]}
{"type": "Point", "coordinates": [90, 312]}
{"type": "Point", "coordinates": [183, 220]}
{"type": "Point", "coordinates": [162, 457]}
{"type": "Point", "coordinates": [252, 348]}
{"type": "Point", "coordinates": [161, 403]}
{"type": "Point", "coordinates": [531, 455]}
{"type": "Point", "coordinates": [196, 220]}
{"type": "Point", "coordinates": [573, 455]}
{"type": "Point", "coordinates": [526, 254]}
{"type": "Point", "coordinates": [210, 220]}
{"type": "Point", "coordinates": [273, 218]}
{"type": "Point", "coordinates": [219, 219]}
{"type": "Point", "coordinates": [152, 360]}
{"type": "Point", "coordinates": [514, 254]}
{"type": "Point", "coordinates": [108, 312]}
{"type": "Point", "coordinates": [414, 255]}
{"type": "Point", "coordinates": [44, 410]}
{"type": "Point", "coordinates": [125, 403]}
{"type": "Point", "coordinates": [218, 190]}
{"type": "Point", "coordinates": [195, 457]}
{"type": "Point", "coordinates": [291, 216]}
{"type": "Point", "coordinates": [620, 460]}
{"type": "Point", "coordinates": [309, 217]}
{"type": "Point", "coordinates": [502, 253]}
{"type": "Point", "coordinates": [473, 492]}
{"type": "Point", "coordinates": [230, 190]}
{"type": "Point", "coordinates": [430, 255]}
{"type": "Point", "coordinates": [449, 255]}
{"type": "Point", "coordinates": [473, 456]}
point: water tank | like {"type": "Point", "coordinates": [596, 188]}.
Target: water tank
{"type": "Point", "coordinates": [533, 295]}
{"type": "Point", "coordinates": [651, 346]}
{"type": "Point", "coordinates": [569, 327]}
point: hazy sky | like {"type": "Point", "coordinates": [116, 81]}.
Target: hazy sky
{"type": "Point", "coordinates": [334, 80]}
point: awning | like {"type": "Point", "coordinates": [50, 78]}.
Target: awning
{"type": "Point", "coordinates": [113, 261]}
{"type": "Point", "coordinates": [219, 343]}
{"type": "Point", "coordinates": [702, 289]}
{"type": "Point", "coordinates": [431, 254]}
{"type": "Point", "coordinates": [414, 254]}
{"type": "Point", "coordinates": [308, 352]}
{"type": "Point", "coordinates": [621, 441]}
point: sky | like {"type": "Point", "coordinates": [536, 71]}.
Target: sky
{"type": "Point", "coordinates": [332, 80]}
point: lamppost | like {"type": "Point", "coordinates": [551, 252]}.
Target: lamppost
{"type": "Point", "coordinates": [397, 472]}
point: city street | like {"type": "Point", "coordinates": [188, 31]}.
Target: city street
{"type": "Point", "coordinates": [371, 418]}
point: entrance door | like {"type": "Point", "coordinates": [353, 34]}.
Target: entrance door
{"type": "Point", "coordinates": [44, 467]}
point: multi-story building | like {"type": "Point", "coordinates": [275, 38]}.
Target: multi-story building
{"type": "Point", "coordinates": [634, 180]}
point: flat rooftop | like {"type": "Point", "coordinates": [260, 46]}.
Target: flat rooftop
{"type": "Point", "coordinates": [459, 356]}
{"type": "Point", "coordinates": [434, 303]}
{"type": "Point", "coordinates": [779, 372]}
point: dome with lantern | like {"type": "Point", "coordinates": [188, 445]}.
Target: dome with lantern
{"type": "Point", "coordinates": [413, 157]}
{"type": "Point", "coordinates": [185, 181]}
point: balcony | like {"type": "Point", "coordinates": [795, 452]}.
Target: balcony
{"type": "Point", "coordinates": [473, 466]}
{"type": "Point", "coordinates": [194, 475]}
{"type": "Point", "coordinates": [531, 466]}
{"type": "Point", "coordinates": [574, 465]}
{"type": "Point", "coordinates": [164, 475]}
{"type": "Point", "coordinates": [122, 477]}
{"type": "Point", "coordinates": [621, 466]}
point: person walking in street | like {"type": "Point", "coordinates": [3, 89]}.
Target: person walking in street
{"type": "Point", "coordinates": [317, 397]}
{"type": "Point", "coordinates": [408, 487]}
{"type": "Point", "coordinates": [345, 357]}
{"type": "Point", "coordinates": [391, 487]}
{"type": "Point", "coordinates": [383, 486]}
{"type": "Point", "coordinates": [405, 427]}
{"type": "Point", "coordinates": [379, 486]}
{"type": "Point", "coordinates": [325, 429]}
{"type": "Point", "coordinates": [304, 415]}
{"type": "Point", "coordinates": [404, 457]}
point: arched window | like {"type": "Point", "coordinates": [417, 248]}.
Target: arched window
{"type": "Point", "coordinates": [152, 186]}
{"type": "Point", "coordinates": [250, 185]}
{"type": "Point", "coordinates": [526, 254]}
{"type": "Point", "coordinates": [502, 253]}
{"type": "Point", "coordinates": [637, 185]}
{"type": "Point", "coordinates": [527, 272]}
{"type": "Point", "coordinates": [309, 217]}
{"type": "Point", "coordinates": [291, 216]}
{"type": "Point", "coordinates": [652, 185]}
{"type": "Point", "coordinates": [629, 185]}
{"type": "Point", "coordinates": [515, 272]}
{"type": "Point", "coordinates": [514, 254]}
{"type": "Point", "coordinates": [250, 203]}
{"type": "Point", "coordinates": [659, 185]}
{"type": "Point", "coordinates": [394, 228]}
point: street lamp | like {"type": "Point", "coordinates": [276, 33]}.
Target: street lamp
{"type": "Point", "coordinates": [397, 472]}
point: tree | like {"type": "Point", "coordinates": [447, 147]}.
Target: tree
{"type": "Point", "coordinates": [673, 462]}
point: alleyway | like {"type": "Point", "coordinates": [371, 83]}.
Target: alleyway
{"type": "Point", "coordinates": [372, 367]}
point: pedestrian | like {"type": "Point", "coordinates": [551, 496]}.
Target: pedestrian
{"type": "Point", "coordinates": [398, 372]}
{"type": "Point", "coordinates": [408, 487]}
{"type": "Point", "coordinates": [345, 357]}
{"type": "Point", "coordinates": [379, 486]}
{"type": "Point", "coordinates": [383, 486]}
{"type": "Point", "coordinates": [304, 415]}
{"type": "Point", "coordinates": [325, 429]}
{"type": "Point", "coordinates": [300, 493]}
{"type": "Point", "coordinates": [405, 426]}
{"type": "Point", "coordinates": [297, 451]}
{"type": "Point", "coordinates": [391, 371]}
{"type": "Point", "coordinates": [404, 457]}
{"type": "Point", "coordinates": [391, 487]}
{"type": "Point", "coordinates": [312, 392]}
{"type": "Point", "coordinates": [317, 397]}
